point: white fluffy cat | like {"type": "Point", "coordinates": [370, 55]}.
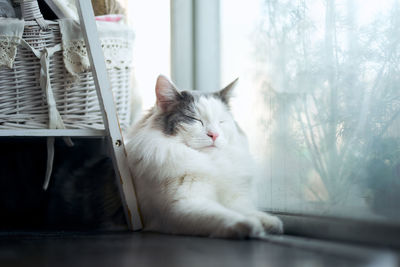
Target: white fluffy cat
{"type": "Point", "coordinates": [192, 167]}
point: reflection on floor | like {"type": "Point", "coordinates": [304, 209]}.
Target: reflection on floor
{"type": "Point", "coordinates": [150, 249]}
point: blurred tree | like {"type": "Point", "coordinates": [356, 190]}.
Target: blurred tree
{"type": "Point", "coordinates": [332, 85]}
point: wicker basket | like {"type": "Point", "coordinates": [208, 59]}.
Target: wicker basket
{"type": "Point", "coordinates": [24, 102]}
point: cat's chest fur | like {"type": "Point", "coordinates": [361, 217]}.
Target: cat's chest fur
{"type": "Point", "coordinates": [232, 165]}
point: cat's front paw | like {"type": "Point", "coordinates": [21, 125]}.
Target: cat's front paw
{"type": "Point", "coordinates": [271, 224]}
{"type": "Point", "coordinates": [240, 229]}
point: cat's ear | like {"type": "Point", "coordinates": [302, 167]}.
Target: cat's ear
{"type": "Point", "coordinates": [226, 93]}
{"type": "Point", "coordinates": [166, 93]}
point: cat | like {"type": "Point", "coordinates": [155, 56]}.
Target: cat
{"type": "Point", "coordinates": [192, 167]}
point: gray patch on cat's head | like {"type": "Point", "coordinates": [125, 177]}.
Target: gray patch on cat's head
{"type": "Point", "coordinates": [182, 110]}
{"type": "Point", "coordinates": [226, 93]}
{"type": "Point", "coordinates": [216, 96]}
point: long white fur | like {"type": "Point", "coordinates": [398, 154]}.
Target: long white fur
{"type": "Point", "coordinates": [187, 184]}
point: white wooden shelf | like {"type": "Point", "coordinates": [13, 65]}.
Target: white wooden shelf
{"type": "Point", "coordinates": [53, 132]}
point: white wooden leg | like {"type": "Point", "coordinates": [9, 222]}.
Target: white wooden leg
{"type": "Point", "coordinates": [110, 119]}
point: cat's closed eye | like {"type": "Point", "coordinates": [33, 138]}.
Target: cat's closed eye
{"type": "Point", "coordinates": [196, 119]}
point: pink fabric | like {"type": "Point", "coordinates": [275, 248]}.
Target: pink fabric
{"type": "Point", "coordinates": [110, 18]}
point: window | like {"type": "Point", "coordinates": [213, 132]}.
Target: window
{"type": "Point", "coordinates": [150, 20]}
{"type": "Point", "coordinates": [320, 82]}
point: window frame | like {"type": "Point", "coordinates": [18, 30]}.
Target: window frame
{"type": "Point", "coordinates": [341, 229]}
{"type": "Point", "coordinates": [195, 61]}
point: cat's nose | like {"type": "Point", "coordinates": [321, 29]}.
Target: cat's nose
{"type": "Point", "coordinates": [213, 135]}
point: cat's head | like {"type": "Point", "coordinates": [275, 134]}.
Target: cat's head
{"type": "Point", "coordinates": [201, 120]}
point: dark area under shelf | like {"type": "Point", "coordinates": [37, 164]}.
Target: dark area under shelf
{"type": "Point", "coordinates": [24, 204]}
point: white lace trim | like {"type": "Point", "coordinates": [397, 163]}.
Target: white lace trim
{"type": "Point", "coordinates": [116, 42]}
{"type": "Point", "coordinates": [8, 50]}
{"type": "Point", "coordinates": [10, 37]}
{"type": "Point", "coordinates": [117, 54]}
{"type": "Point", "coordinates": [75, 56]}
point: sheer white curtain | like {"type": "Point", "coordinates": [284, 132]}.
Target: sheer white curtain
{"type": "Point", "coordinates": [321, 85]}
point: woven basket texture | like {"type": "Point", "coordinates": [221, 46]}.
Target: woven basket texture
{"type": "Point", "coordinates": [23, 102]}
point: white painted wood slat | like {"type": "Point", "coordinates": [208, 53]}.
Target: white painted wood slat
{"type": "Point", "coordinates": [53, 132]}
{"type": "Point", "coordinates": [109, 113]}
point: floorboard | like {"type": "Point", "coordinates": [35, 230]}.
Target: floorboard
{"type": "Point", "coordinates": [151, 250]}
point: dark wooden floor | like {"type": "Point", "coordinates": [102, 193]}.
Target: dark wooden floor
{"type": "Point", "coordinates": [150, 249]}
